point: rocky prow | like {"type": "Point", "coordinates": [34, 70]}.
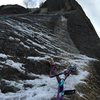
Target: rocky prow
{"type": "Point", "coordinates": [56, 5]}
{"type": "Point", "coordinates": [64, 5]}
{"type": "Point", "coordinates": [79, 26]}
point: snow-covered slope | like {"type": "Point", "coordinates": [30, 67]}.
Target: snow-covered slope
{"type": "Point", "coordinates": [45, 88]}
{"type": "Point", "coordinates": [27, 41]}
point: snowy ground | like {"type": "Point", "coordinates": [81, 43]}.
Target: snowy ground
{"type": "Point", "coordinates": [45, 87]}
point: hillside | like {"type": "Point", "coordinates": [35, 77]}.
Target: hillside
{"type": "Point", "coordinates": [28, 40]}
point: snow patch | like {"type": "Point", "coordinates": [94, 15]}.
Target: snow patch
{"type": "Point", "coordinates": [36, 44]}
{"type": "Point", "coordinates": [63, 19]}
{"type": "Point", "coordinates": [11, 38]}
{"type": "Point", "coordinates": [38, 58]}
{"type": "Point", "coordinates": [24, 45]}
{"type": "Point", "coordinates": [18, 40]}
{"type": "Point", "coordinates": [15, 65]}
{"type": "Point", "coordinates": [3, 56]}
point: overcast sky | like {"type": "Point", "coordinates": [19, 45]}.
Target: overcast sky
{"type": "Point", "coordinates": [91, 8]}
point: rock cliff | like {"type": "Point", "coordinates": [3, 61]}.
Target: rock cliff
{"type": "Point", "coordinates": [59, 29]}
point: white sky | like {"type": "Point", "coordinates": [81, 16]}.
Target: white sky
{"type": "Point", "coordinates": [3, 2]}
{"type": "Point", "coordinates": [91, 8]}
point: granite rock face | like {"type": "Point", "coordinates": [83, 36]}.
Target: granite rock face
{"type": "Point", "coordinates": [28, 40]}
{"type": "Point", "coordinates": [56, 5]}
{"type": "Point", "coordinates": [80, 29]}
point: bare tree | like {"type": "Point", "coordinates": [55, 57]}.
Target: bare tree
{"type": "Point", "coordinates": [25, 2]}
{"type": "Point", "coordinates": [29, 3]}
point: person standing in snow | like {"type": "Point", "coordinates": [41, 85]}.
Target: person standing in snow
{"type": "Point", "coordinates": [61, 81]}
